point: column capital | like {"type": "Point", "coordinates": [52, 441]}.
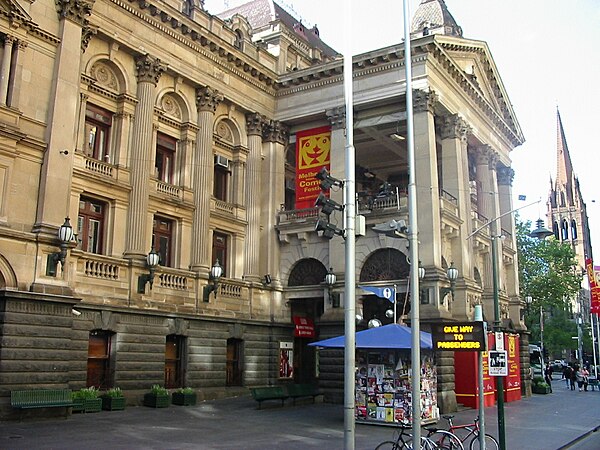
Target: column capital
{"type": "Point", "coordinates": [149, 69]}
{"type": "Point", "coordinates": [8, 40]}
{"type": "Point", "coordinates": [255, 124]}
{"type": "Point", "coordinates": [505, 175]}
{"type": "Point", "coordinates": [336, 117]}
{"type": "Point", "coordinates": [424, 101]}
{"type": "Point", "coordinates": [207, 99]}
{"type": "Point", "coordinates": [454, 127]}
{"type": "Point", "coordinates": [277, 131]}
{"type": "Point", "coordinates": [76, 11]}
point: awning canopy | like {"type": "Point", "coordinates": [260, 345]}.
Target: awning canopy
{"type": "Point", "coordinates": [388, 336]}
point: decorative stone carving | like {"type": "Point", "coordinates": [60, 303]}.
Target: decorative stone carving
{"type": "Point", "coordinates": [170, 106]}
{"type": "Point", "coordinates": [337, 117]}
{"type": "Point", "coordinates": [276, 131]}
{"type": "Point", "coordinates": [87, 33]}
{"type": "Point", "coordinates": [505, 175]}
{"type": "Point", "coordinates": [207, 99]}
{"type": "Point", "coordinates": [224, 132]}
{"type": "Point", "coordinates": [104, 76]}
{"type": "Point", "coordinates": [455, 127]}
{"type": "Point", "coordinates": [149, 69]}
{"type": "Point", "coordinates": [256, 123]}
{"type": "Point", "coordinates": [75, 10]}
{"type": "Point", "coordinates": [424, 101]}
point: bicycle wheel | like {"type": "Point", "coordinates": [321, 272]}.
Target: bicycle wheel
{"type": "Point", "coordinates": [390, 445]}
{"type": "Point", "coordinates": [490, 443]}
{"type": "Point", "coordinates": [444, 440]}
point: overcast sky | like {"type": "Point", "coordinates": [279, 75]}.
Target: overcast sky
{"type": "Point", "coordinates": [547, 54]}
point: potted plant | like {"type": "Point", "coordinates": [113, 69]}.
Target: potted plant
{"type": "Point", "coordinates": [158, 397]}
{"type": "Point", "coordinates": [113, 400]}
{"type": "Point", "coordinates": [184, 396]}
{"type": "Point", "coordinates": [88, 397]}
{"type": "Point", "coordinates": [539, 386]}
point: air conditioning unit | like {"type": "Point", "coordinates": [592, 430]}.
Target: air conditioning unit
{"type": "Point", "coordinates": [221, 161]}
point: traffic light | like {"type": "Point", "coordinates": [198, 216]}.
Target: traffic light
{"type": "Point", "coordinates": [545, 351]}
{"type": "Point", "coordinates": [327, 205]}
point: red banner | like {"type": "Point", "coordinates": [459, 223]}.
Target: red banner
{"type": "Point", "coordinates": [594, 287]}
{"type": "Point", "coordinates": [305, 328]}
{"type": "Point", "coordinates": [312, 154]}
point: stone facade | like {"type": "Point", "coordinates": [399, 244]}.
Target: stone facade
{"type": "Point", "coordinates": [175, 130]}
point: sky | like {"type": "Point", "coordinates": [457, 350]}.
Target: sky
{"type": "Point", "coordinates": [547, 57]}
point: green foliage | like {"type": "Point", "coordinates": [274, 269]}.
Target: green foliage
{"type": "Point", "coordinates": [538, 381]}
{"type": "Point", "coordinates": [157, 389]}
{"type": "Point", "coordinates": [114, 393]}
{"type": "Point", "coordinates": [548, 274]}
{"type": "Point", "coordinates": [186, 390]}
{"type": "Point", "coordinates": [86, 393]}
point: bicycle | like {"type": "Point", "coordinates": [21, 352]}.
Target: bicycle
{"type": "Point", "coordinates": [472, 430]}
{"type": "Point", "coordinates": [436, 439]}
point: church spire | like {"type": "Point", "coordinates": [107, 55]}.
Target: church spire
{"type": "Point", "coordinates": [564, 167]}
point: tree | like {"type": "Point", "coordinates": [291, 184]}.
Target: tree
{"type": "Point", "coordinates": [548, 274]}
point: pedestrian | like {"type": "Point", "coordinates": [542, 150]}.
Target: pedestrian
{"type": "Point", "coordinates": [586, 377]}
{"type": "Point", "coordinates": [548, 375]}
{"type": "Point", "coordinates": [573, 377]}
{"type": "Point", "coordinates": [566, 375]}
{"type": "Point", "coordinates": [579, 377]}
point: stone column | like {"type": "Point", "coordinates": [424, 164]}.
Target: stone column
{"type": "Point", "coordinates": [455, 177]}
{"type": "Point", "coordinates": [81, 137]}
{"type": "Point", "coordinates": [149, 71]}
{"type": "Point", "coordinates": [55, 182]}
{"type": "Point", "coordinates": [255, 124]}
{"type": "Point", "coordinates": [5, 68]}
{"type": "Point", "coordinates": [207, 100]}
{"type": "Point", "coordinates": [428, 212]}
{"type": "Point", "coordinates": [15, 80]}
{"type": "Point", "coordinates": [276, 137]}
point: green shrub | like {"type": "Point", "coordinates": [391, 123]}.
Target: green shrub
{"type": "Point", "coordinates": [186, 390]}
{"type": "Point", "coordinates": [538, 381]}
{"type": "Point", "coordinates": [114, 393]}
{"type": "Point", "coordinates": [157, 389]}
{"type": "Point", "coordinates": [86, 393]}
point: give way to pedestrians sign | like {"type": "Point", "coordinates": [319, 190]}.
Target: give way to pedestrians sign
{"type": "Point", "coordinates": [497, 363]}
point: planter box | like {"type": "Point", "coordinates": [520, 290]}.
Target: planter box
{"type": "Point", "coordinates": [179, 398]}
{"type": "Point", "coordinates": [156, 401]}
{"type": "Point", "coordinates": [78, 405]}
{"type": "Point", "coordinates": [92, 405]}
{"type": "Point", "coordinates": [537, 389]}
{"type": "Point", "coordinates": [113, 403]}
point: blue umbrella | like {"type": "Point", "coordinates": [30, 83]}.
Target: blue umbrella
{"type": "Point", "coordinates": [388, 336]}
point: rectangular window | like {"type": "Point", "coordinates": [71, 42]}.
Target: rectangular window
{"type": "Point", "coordinates": [221, 178]}
{"type": "Point", "coordinates": [99, 359]}
{"type": "Point", "coordinates": [162, 238]}
{"type": "Point", "coordinates": [90, 224]}
{"type": "Point", "coordinates": [219, 250]}
{"type": "Point", "coordinates": [174, 361]}
{"type": "Point", "coordinates": [165, 157]}
{"type": "Point", "coordinates": [97, 132]}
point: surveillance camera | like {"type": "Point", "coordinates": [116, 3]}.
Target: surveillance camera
{"type": "Point", "coordinates": [75, 312]}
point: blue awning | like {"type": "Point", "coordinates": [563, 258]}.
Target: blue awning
{"type": "Point", "coordinates": [391, 336]}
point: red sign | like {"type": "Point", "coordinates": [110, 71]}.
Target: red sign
{"type": "Point", "coordinates": [312, 154]}
{"type": "Point", "coordinates": [305, 328]}
{"type": "Point", "coordinates": [512, 383]}
{"type": "Point", "coordinates": [594, 287]}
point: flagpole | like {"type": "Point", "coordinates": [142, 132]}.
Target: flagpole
{"type": "Point", "coordinates": [395, 301]}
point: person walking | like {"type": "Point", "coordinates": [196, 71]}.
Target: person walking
{"type": "Point", "coordinates": [579, 377]}
{"type": "Point", "coordinates": [573, 377]}
{"type": "Point", "coordinates": [548, 375]}
{"type": "Point", "coordinates": [586, 376]}
{"type": "Point", "coordinates": [566, 375]}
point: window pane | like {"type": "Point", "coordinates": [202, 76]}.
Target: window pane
{"type": "Point", "coordinates": [94, 236]}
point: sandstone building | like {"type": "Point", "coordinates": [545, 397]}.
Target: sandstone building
{"type": "Point", "coordinates": [154, 124]}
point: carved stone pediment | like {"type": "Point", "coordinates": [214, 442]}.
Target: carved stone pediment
{"type": "Point", "coordinates": [14, 12]}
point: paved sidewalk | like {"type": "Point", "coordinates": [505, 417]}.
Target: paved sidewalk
{"type": "Point", "coordinates": [542, 422]}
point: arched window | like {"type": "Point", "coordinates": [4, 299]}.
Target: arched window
{"type": "Point", "coordinates": [555, 230]}
{"type": "Point", "coordinates": [565, 230]}
{"type": "Point", "coordinates": [574, 229]}
{"type": "Point", "coordinates": [239, 40]}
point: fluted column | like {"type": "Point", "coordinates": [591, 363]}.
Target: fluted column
{"type": "Point", "coordinates": [207, 100]}
{"type": "Point", "coordinates": [455, 177]}
{"type": "Point", "coordinates": [428, 212]}
{"type": "Point", "coordinates": [81, 137]}
{"type": "Point", "coordinates": [276, 138]}
{"type": "Point", "coordinates": [149, 71]}
{"type": "Point", "coordinates": [255, 124]}
{"type": "Point", "coordinates": [5, 68]}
